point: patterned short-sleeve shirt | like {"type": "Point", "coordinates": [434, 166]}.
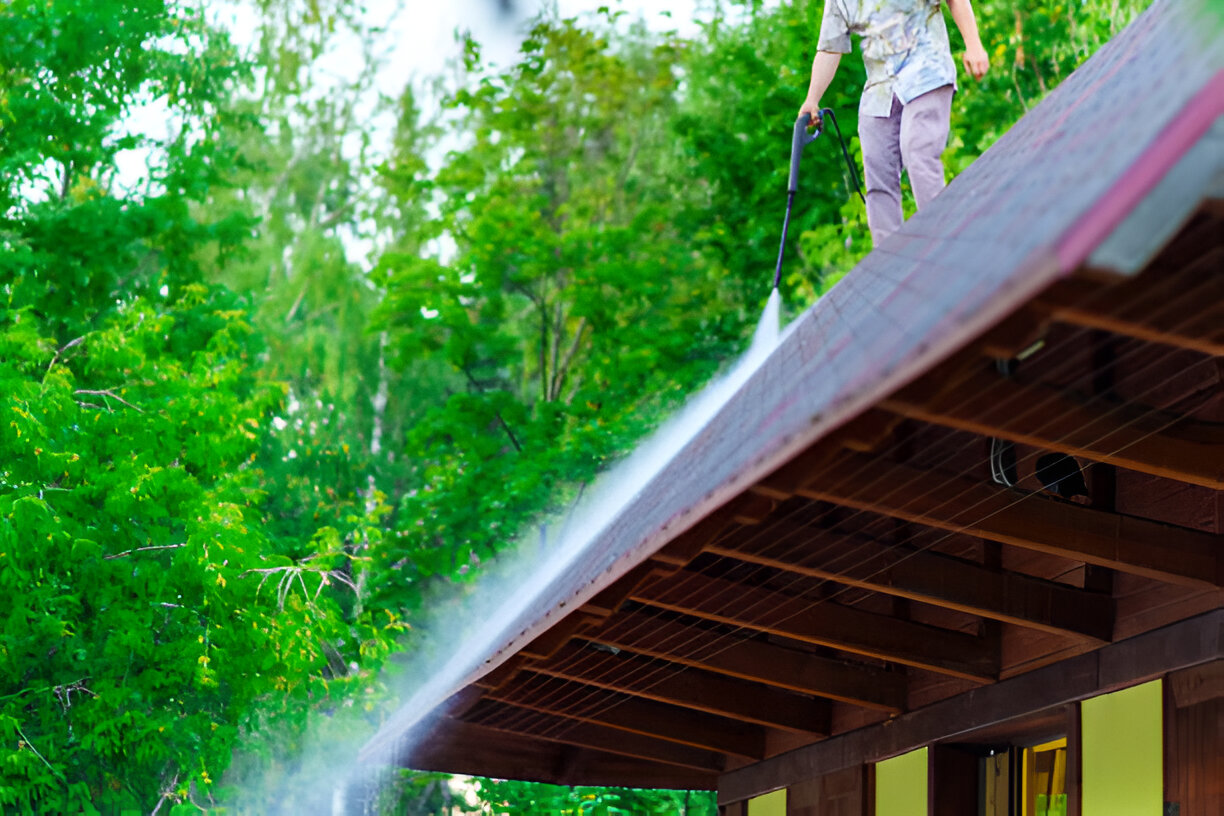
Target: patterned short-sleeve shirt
{"type": "Point", "coordinates": [905, 47]}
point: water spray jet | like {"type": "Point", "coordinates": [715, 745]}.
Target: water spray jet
{"type": "Point", "coordinates": [511, 588]}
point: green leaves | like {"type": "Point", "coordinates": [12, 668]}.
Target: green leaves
{"type": "Point", "coordinates": [550, 800]}
{"type": "Point", "coordinates": [117, 531]}
{"type": "Point", "coordinates": [572, 312]}
{"type": "Point", "coordinates": [135, 641]}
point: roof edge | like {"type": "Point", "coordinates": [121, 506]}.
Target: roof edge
{"type": "Point", "coordinates": [1190, 124]}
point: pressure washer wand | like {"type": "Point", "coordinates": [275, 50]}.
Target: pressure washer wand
{"type": "Point", "coordinates": [801, 139]}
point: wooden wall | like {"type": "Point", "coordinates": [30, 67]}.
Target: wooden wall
{"type": "Point", "coordinates": [842, 793]}
{"type": "Point", "coordinates": [1193, 762]}
{"type": "Point", "coordinates": [1194, 741]}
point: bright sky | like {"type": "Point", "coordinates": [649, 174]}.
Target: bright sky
{"type": "Point", "coordinates": [424, 31]}
{"type": "Point", "coordinates": [428, 24]}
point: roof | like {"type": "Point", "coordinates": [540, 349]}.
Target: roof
{"type": "Point", "coordinates": [1061, 194]}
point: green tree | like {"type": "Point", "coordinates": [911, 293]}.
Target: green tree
{"type": "Point", "coordinates": [153, 617]}
{"type": "Point", "coordinates": [571, 311]}
{"type": "Point", "coordinates": [501, 797]}
{"type": "Point", "coordinates": [1033, 46]}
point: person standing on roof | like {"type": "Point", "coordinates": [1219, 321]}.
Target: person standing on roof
{"type": "Point", "coordinates": [907, 101]}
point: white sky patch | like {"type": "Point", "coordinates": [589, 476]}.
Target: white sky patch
{"type": "Point", "coordinates": [426, 31]}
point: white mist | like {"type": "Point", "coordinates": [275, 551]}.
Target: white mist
{"type": "Point", "coordinates": [506, 590]}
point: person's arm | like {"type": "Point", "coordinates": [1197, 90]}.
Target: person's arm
{"type": "Point", "coordinates": [824, 66]}
{"type": "Point", "coordinates": [834, 40]}
{"type": "Point", "coordinates": [975, 58]}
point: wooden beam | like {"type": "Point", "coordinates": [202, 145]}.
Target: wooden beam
{"type": "Point", "coordinates": [549, 641]}
{"type": "Point", "coordinates": [826, 624]}
{"type": "Point", "coordinates": [754, 660]}
{"type": "Point", "coordinates": [690, 688]}
{"type": "Point", "coordinates": [467, 748]}
{"type": "Point", "coordinates": [865, 432]}
{"type": "Point", "coordinates": [503, 673]}
{"type": "Point", "coordinates": [750, 508]}
{"type": "Point", "coordinates": [1006, 339]}
{"type": "Point", "coordinates": [1200, 684]}
{"type": "Point", "coordinates": [1127, 436]}
{"type": "Point", "coordinates": [686, 546]}
{"type": "Point", "coordinates": [610, 599]}
{"type": "Point", "coordinates": [513, 720]}
{"type": "Point", "coordinates": [1188, 314]}
{"type": "Point", "coordinates": [928, 577]}
{"type": "Point", "coordinates": [1035, 522]}
{"type": "Point", "coordinates": [746, 508]}
{"type": "Point", "coordinates": [1118, 665]}
{"type": "Point", "coordinates": [579, 702]}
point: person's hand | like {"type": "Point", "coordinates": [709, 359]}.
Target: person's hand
{"type": "Point", "coordinates": [812, 108]}
{"type": "Point", "coordinates": [976, 61]}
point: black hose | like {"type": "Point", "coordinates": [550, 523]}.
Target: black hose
{"type": "Point", "coordinates": [845, 153]}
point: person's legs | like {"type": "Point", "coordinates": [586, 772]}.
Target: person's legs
{"type": "Point", "coordinates": [879, 137]}
{"type": "Point", "coordinates": [924, 135]}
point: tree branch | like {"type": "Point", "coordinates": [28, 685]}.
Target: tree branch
{"type": "Point", "coordinates": [87, 392]}
{"type": "Point", "coordinates": [555, 354]}
{"type": "Point", "coordinates": [563, 370]}
{"type": "Point", "coordinates": [293, 571]}
{"type": "Point", "coordinates": [543, 346]}
{"type": "Point", "coordinates": [143, 549]}
{"type": "Point", "coordinates": [294, 308]}
{"type": "Point", "coordinates": [168, 793]}
{"type": "Point", "coordinates": [70, 344]}
{"type": "Point", "coordinates": [505, 427]}
{"type": "Point", "coordinates": [26, 742]}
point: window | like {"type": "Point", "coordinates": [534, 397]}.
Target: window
{"type": "Point", "coordinates": [1024, 780]}
{"type": "Point", "coordinates": [1044, 780]}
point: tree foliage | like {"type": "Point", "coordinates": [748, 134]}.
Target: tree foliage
{"type": "Point", "coordinates": [153, 613]}
{"type": "Point", "coordinates": [564, 331]}
{"type": "Point", "coordinates": [551, 800]}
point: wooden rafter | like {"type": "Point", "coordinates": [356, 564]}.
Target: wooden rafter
{"type": "Point", "coordinates": [549, 641]}
{"type": "Point", "coordinates": [514, 720]}
{"type": "Point", "coordinates": [826, 624]}
{"type": "Point", "coordinates": [689, 688]}
{"type": "Point", "coordinates": [610, 599]}
{"type": "Point", "coordinates": [467, 748]}
{"type": "Point", "coordinates": [634, 715]}
{"type": "Point", "coordinates": [1183, 308]}
{"type": "Point", "coordinates": [928, 577]}
{"type": "Point", "coordinates": [1125, 543]}
{"type": "Point", "coordinates": [738, 656]}
{"type": "Point", "coordinates": [686, 546]}
{"type": "Point", "coordinates": [987, 404]}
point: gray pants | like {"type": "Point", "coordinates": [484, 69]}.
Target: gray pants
{"type": "Point", "coordinates": [913, 136]}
